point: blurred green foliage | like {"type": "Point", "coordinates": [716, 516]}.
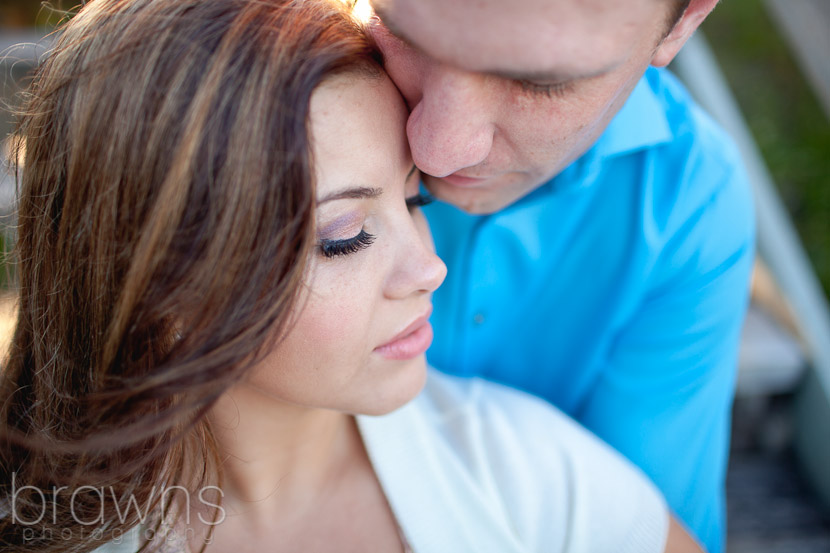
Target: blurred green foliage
{"type": "Point", "coordinates": [786, 120]}
{"type": "Point", "coordinates": [38, 13]}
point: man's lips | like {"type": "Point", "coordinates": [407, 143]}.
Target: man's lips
{"type": "Point", "coordinates": [410, 342]}
{"type": "Point", "coordinates": [462, 181]}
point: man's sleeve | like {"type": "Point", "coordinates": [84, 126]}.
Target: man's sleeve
{"type": "Point", "coordinates": [665, 394]}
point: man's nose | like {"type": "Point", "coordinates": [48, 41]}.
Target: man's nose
{"type": "Point", "coordinates": [451, 127]}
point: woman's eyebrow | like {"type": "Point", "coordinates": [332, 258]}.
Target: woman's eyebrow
{"type": "Point", "coordinates": [355, 193]}
{"type": "Point", "coordinates": [411, 171]}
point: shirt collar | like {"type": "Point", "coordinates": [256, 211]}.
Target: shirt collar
{"type": "Point", "coordinates": [640, 123]}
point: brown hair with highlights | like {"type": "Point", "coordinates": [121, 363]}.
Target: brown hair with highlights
{"type": "Point", "coordinates": [165, 218]}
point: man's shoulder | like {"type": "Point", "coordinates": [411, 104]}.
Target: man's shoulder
{"type": "Point", "coordinates": [662, 119]}
{"type": "Point", "coordinates": [662, 147]}
{"type": "Point", "coordinates": [697, 164]}
{"type": "Point", "coordinates": [692, 128]}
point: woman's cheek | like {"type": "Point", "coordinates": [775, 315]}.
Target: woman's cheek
{"type": "Point", "coordinates": [339, 307]}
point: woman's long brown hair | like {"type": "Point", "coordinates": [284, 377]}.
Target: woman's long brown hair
{"type": "Point", "coordinates": [165, 218]}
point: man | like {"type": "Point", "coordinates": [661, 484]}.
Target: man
{"type": "Point", "coordinates": [601, 254]}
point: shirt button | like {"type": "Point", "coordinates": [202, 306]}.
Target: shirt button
{"type": "Point", "coordinates": [478, 318]}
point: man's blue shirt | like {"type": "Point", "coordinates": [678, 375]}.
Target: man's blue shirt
{"type": "Point", "coordinates": [617, 291]}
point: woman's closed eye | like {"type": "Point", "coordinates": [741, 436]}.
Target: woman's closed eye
{"type": "Point", "coordinates": [346, 246]}
{"type": "Point", "coordinates": [330, 247]}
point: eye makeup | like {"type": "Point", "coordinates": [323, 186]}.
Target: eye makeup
{"type": "Point", "coordinates": [344, 235]}
{"type": "Point", "coordinates": [333, 248]}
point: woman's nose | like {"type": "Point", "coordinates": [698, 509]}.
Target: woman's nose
{"type": "Point", "coordinates": [451, 128]}
{"type": "Point", "coordinates": [417, 268]}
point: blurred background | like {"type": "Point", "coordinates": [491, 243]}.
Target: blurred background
{"type": "Point", "coordinates": [762, 68]}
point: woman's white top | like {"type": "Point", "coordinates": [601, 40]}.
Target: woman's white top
{"type": "Point", "coordinates": [472, 466]}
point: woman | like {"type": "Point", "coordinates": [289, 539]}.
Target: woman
{"type": "Point", "coordinates": [224, 280]}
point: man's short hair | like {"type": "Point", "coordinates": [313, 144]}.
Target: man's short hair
{"type": "Point", "coordinates": [676, 13]}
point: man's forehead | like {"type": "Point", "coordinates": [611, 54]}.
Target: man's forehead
{"type": "Point", "coordinates": [524, 36]}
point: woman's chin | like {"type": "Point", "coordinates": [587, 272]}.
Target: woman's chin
{"type": "Point", "coordinates": [405, 388]}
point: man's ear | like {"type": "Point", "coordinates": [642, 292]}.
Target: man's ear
{"type": "Point", "coordinates": [694, 15]}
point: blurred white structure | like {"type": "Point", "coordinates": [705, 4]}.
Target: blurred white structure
{"type": "Point", "coordinates": [780, 248]}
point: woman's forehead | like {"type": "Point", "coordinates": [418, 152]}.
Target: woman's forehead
{"type": "Point", "coordinates": [357, 130]}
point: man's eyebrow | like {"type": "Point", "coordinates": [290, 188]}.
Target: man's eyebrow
{"type": "Point", "coordinates": [354, 193]}
{"type": "Point", "coordinates": [411, 172]}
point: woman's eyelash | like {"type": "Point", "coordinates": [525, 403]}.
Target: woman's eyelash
{"type": "Point", "coordinates": [331, 248]}
{"type": "Point", "coordinates": [419, 200]}
{"type": "Point", "coordinates": [549, 90]}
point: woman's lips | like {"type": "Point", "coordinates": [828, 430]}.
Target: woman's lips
{"type": "Point", "coordinates": [413, 341]}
